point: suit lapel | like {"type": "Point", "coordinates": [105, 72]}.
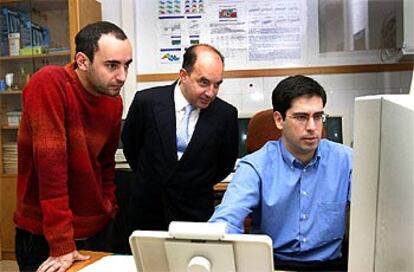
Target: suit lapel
{"type": "Point", "coordinates": [204, 128]}
{"type": "Point", "coordinates": [164, 113]}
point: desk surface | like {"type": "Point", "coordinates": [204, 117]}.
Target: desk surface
{"type": "Point", "coordinates": [94, 257]}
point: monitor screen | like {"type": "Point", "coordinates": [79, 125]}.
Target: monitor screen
{"type": "Point", "coordinates": [243, 124]}
{"type": "Point", "coordinates": [333, 129]}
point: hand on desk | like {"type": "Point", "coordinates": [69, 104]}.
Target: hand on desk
{"type": "Point", "coordinates": [61, 263]}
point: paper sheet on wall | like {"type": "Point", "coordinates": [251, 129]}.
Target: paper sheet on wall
{"type": "Point", "coordinates": [245, 31]}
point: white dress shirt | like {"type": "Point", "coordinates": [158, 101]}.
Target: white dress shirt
{"type": "Point", "coordinates": [180, 103]}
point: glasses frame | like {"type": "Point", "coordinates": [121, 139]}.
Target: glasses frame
{"type": "Point", "coordinates": [303, 118]}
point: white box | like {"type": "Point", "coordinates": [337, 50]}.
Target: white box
{"type": "Point", "coordinates": [14, 44]}
{"type": "Point", "coordinates": [13, 118]}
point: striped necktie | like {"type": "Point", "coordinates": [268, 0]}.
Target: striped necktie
{"type": "Point", "coordinates": [182, 132]}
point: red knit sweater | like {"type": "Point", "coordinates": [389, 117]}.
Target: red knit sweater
{"type": "Point", "coordinates": [66, 145]}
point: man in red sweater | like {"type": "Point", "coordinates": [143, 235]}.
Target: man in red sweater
{"type": "Point", "coordinates": [67, 139]}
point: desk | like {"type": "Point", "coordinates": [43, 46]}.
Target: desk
{"type": "Point", "coordinates": [221, 186]}
{"type": "Point", "coordinates": [94, 257]}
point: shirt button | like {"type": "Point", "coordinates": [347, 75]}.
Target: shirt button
{"type": "Point", "coordinates": [304, 193]}
{"type": "Point", "coordinates": [304, 170]}
{"type": "Point", "coordinates": [304, 240]}
{"type": "Point", "coordinates": [303, 217]}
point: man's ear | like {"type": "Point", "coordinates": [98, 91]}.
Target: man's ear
{"type": "Point", "coordinates": [82, 60]}
{"type": "Point", "coordinates": [183, 75]}
{"type": "Point", "coordinates": [278, 119]}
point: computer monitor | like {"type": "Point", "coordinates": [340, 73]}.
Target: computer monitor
{"type": "Point", "coordinates": [189, 246]}
{"type": "Point", "coordinates": [243, 124]}
{"type": "Point", "coordinates": [382, 204]}
{"type": "Point", "coordinates": [333, 129]}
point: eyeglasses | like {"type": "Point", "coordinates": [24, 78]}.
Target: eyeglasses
{"type": "Point", "coordinates": [303, 119]}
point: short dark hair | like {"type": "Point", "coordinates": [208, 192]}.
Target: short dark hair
{"type": "Point", "coordinates": [190, 56]}
{"type": "Point", "coordinates": [293, 87]}
{"type": "Point", "coordinates": [87, 38]}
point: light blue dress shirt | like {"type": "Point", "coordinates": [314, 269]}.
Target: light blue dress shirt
{"type": "Point", "coordinates": [302, 208]}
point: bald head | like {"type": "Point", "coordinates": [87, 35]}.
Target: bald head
{"type": "Point", "coordinates": [193, 52]}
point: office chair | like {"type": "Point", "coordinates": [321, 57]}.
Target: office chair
{"type": "Point", "coordinates": [261, 129]}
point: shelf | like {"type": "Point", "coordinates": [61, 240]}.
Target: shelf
{"type": "Point", "coordinates": [3, 2]}
{"type": "Point", "coordinates": [12, 175]}
{"type": "Point", "coordinates": [9, 127]}
{"type": "Point", "coordinates": [43, 5]}
{"type": "Point", "coordinates": [14, 92]}
{"type": "Point", "coordinates": [29, 57]}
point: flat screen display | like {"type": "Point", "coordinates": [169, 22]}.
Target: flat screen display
{"type": "Point", "coordinates": [333, 129]}
{"type": "Point", "coordinates": [243, 123]}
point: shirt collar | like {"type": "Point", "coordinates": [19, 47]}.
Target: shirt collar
{"type": "Point", "coordinates": [291, 161]}
{"type": "Point", "coordinates": [179, 99]}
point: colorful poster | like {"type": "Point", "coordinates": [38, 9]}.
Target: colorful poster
{"type": "Point", "coordinates": [179, 26]}
{"type": "Point", "coordinates": [246, 32]}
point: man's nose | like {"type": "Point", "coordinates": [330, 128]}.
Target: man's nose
{"type": "Point", "coordinates": [310, 124]}
{"type": "Point", "coordinates": [122, 74]}
{"type": "Point", "coordinates": [211, 90]}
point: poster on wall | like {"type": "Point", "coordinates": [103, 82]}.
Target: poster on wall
{"type": "Point", "coordinates": [179, 26]}
{"type": "Point", "coordinates": [246, 32]}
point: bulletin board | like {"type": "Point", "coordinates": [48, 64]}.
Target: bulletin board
{"type": "Point", "coordinates": [250, 34]}
{"type": "Point", "coordinates": [255, 36]}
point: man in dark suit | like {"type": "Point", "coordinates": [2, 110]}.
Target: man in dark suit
{"type": "Point", "coordinates": [174, 182]}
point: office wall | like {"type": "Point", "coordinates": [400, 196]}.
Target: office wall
{"type": "Point", "coordinates": [252, 94]}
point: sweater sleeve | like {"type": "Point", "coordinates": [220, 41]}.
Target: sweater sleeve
{"type": "Point", "coordinates": [44, 103]}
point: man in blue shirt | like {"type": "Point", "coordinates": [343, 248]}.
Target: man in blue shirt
{"type": "Point", "coordinates": [297, 188]}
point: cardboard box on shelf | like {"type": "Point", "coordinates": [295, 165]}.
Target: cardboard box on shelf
{"type": "Point", "coordinates": [13, 118]}
{"type": "Point", "coordinates": [32, 50]}
{"type": "Point", "coordinates": [14, 44]}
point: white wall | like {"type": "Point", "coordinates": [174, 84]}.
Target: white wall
{"type": "Point", "coordinates": [341, 88]}
{"type": "Point", "coordinates": [111, 11]}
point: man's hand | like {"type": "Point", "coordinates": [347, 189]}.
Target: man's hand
{"type": "Point", "coordinates": [61, 263]}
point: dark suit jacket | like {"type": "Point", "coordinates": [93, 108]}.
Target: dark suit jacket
{"type": "Point", "coordinates": [167, 189]}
